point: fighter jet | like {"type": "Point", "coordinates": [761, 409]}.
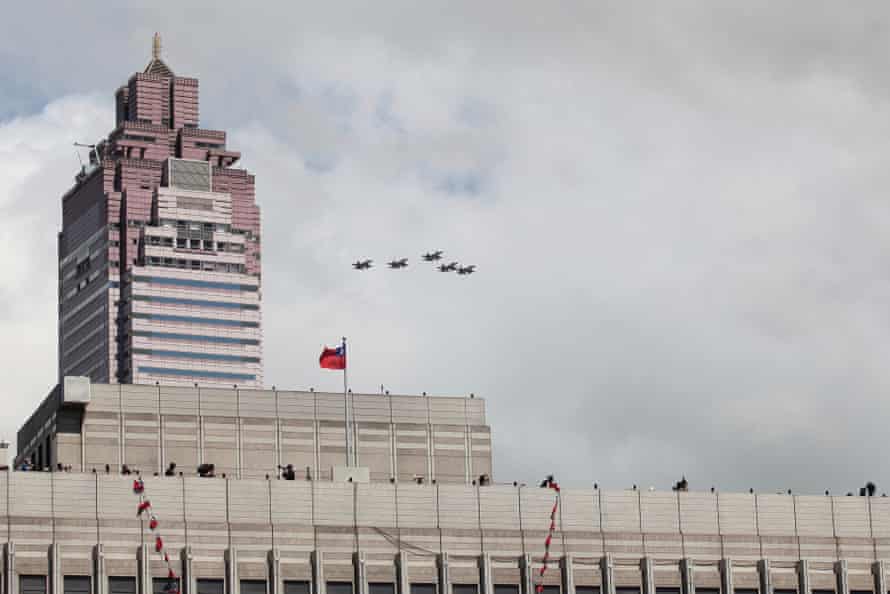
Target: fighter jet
{"type": "Point", "coordinates": [362, 264]}
{"type": "Point", "coordinates": [399, 263]}
{"type": "Point", "coordinates": [450, 267]}
{"type": "Point", "coordinates": [433, 256]}
{"type": "Point", "coordinates": [466, 269]}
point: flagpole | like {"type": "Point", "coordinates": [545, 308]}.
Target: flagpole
{"type": "Point", "coordinates": [346, 408]}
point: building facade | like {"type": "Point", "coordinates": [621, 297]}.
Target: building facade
{"type": "Point", "coordinates": [159, 253]}
{"type": "Point", "coordinates": [251, 433]}
{"type": "Point", "coordinates": [77, 533]}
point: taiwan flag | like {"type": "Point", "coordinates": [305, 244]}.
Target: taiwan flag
{"type": "Point", "coordinates": [333, 358]}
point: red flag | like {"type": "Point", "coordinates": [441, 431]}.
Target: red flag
{"type": "Point", "coordinates": [333, 358]}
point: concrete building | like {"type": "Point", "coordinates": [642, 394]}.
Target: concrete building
{"type": "Point", "coordinates": [77, 532]}
{"type": "Point", "coordinates": [159, 253]}
{"type": "Point", "coordinates": [250, 433]}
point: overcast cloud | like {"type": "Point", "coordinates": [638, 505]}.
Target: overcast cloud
{"type": "Point", "coordinates": [678, 211]}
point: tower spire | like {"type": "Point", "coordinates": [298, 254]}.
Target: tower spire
{"type": "Point", "coordinates": [156, 65]}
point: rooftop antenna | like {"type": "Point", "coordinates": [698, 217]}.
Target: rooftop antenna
{"type": "Point", "coordinates": [156, 46]}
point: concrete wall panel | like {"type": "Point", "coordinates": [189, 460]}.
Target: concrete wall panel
{"type": "Point", "coordinates": [736, 513]}
{"type": "Point", "coordinates": [376, 505]}
{"type": "Point", "coordinates": [373, 408]}
{"type": "Point", "coordinates": [536, 504]}
{"type": "Point", "coordinates": [451, 411]}
{"type": "Point", "coordinates": [205, 499]}
{"type": "Point", "coordinates": [30, 494]}
{"type": "Point", "coordinates": [580, 509]}
{"type": "Point", "coordinates": [105, 398]}
{"type": "Point", "coordinates": [329, 407]}
{"type": "Point", "coordinates": [296, 405]}
{"type": "Point", "coordinates": [139, 399]}
{"type": "Point", "coordinates": [410, 410]}
{"type": "Point", "coordinates": [257, 403]}
{"type": "Point", "coordinates": [775, 515]}
{"type": "Point", "coordinates": [458, 507]}
{"type": "Point", "coordinates": [814, 516]}
{"type": "Point", "coordinates": [851, 516]}
{"type": "Point", "coordinates": [417, 505]}
{"type": "Point", "coordinates": [291, 502]}
{"type": "Point", "coordinates": [660, 512]}
{"type": "Point", "coordinates": [499, 507]}
{"type": "Point", "coordinates": [218, 403]}
{"type": "Point", "coordinates": [178, 400]}
{"type": "Point", "coordinates": [698, 513]}
{"type": "Point", "coordinates": [249, 501]}
{"type": "Point", "coordinates": [621, 511]}
{"type": "Point", "coordinates": [880, 517]}
{"type": "Point", "coordinates": [334, 504]}
{"type": "Point", "coordinates": [75, 497]}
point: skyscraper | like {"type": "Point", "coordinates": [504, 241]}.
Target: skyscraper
{"type": "Point", "coordinates": [159, 253]}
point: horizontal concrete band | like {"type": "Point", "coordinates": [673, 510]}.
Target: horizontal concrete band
{"type": "Point", "coordinates": [759, 523]}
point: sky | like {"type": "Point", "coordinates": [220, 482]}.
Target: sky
{"type": "Point", "coordinates": [678, 212]}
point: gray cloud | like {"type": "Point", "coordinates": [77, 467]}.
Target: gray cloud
{"type": "Point", "coordinates": [677, 212]}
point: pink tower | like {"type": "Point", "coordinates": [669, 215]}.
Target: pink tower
{"type": "Point", "coordinates": [159, 253]}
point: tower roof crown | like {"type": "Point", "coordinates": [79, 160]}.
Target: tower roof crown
{"type": "Point", "coordinates": [157, 65]}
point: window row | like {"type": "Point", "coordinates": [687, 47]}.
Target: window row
{"type": "Point", "coordinates": [79, 584]}
{"type": "Point", "coordinates": [204, 265]}
{"type": "Point", "coordinates": [194, 320]}
{"type": "Point", "coordinates": [186, 282]}
{"type": "Point", "coordinates": [198, 302]}
{"type": "Point", "coordinates": [195, 337]}
{"type": "Point", "coordinates": [197, 356]}
{"type": "Point", "coordinates": [197, 373]}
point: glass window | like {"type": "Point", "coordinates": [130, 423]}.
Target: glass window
{"type": "Point", "coordinates": [185, 282]}
{"type": "Point", "coordinates": [339, 587]}
{"type": "Point", "coordinates": [210, 586]}
{"type": "Point", "coordinates": [851, 591]}
{"type": "Point", "coordinates": [381, 588]}
{"type": "Point", "coordinates": [77, 584]}
{"type": "Point", "coordinates": [296, 587]}
{"type": "Point", "coordinates": [464, 589]}
{"type": "Point", "coordinates": [627, 590]}
{"type": "Point", "coordinates": [122, 585]}
{"type": "Point", "coordinates": [667, 590]}
{"type": "Point", "coordinates": [506, 589]}
{"type": "Point", "coordinates": [550, 589]}
{"type": "Point", "coordinates": [755, 591]}
{"type": "Point", "coordinates": [161, 585]}
{"type": "Point", "coordinates": [423, 588]}
{"type": "Point", "coordinates": [593, 590]}
{"type": "Point", "coordinates": [253, 586]}
{"type": "Point", "coordinates": [789, 591]}
{"type": "Point", "coordinates": [199, 356]}
{"type": "Point", "coordinates": [32, 584]}
{"type": "Point", "coordinates": [194, 320]}
{"type": "Point", "coordinates": [197, 373]}
{"type": "Point", "coordinates": [707, 590]}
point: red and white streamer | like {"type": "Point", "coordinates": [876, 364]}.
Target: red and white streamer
{"type": "Point", "coordinates": [144, 509]}
{"type": "Point", "coordinates": [550, 484]}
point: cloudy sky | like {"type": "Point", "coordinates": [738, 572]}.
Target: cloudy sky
{"type": "Point", "coordinates": [678, 211]}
